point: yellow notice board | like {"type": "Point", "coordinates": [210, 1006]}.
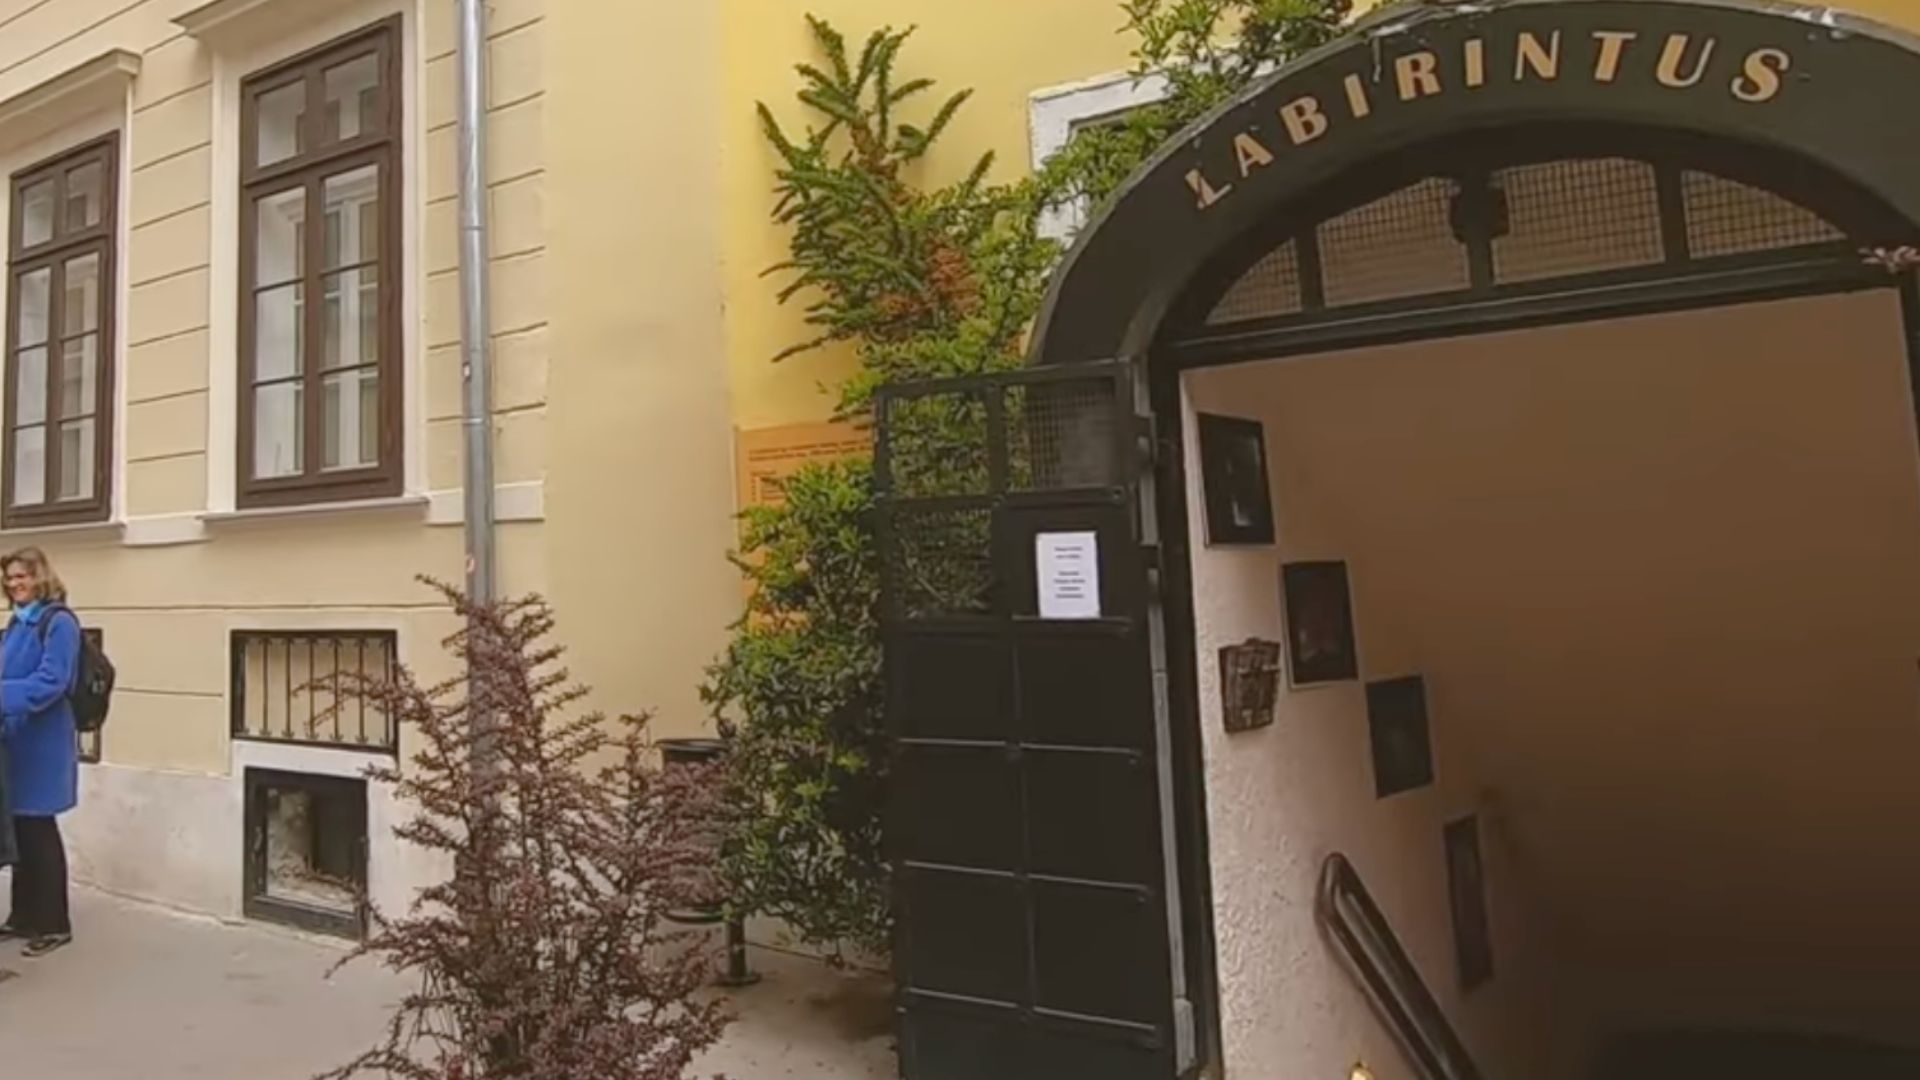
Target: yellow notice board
{"type": "Point", "coordinates": [765, 457]}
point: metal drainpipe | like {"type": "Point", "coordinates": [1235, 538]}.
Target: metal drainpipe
{"type": "Point", "coordinates": [476, 351]}
{"type": "Point", "coordinates": [476, 346]}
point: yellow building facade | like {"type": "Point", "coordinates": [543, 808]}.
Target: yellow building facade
{"type": "Point", "coordinates": [629, 192]}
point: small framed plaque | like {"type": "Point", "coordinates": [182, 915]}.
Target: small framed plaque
{"type": "Point", "coordinates": [1467, 887]}
{"type": "Point", "coordinates": [1319, 605]}
{"type": "Point", "coordinates": [1249, 683]}
{"type": "Point", "coordinates": [1402, 745]}
{"type": "Point", "coordinates": [1233, 472]}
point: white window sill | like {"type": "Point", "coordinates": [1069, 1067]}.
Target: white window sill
{"type": "Point", "coordinates": [399, 505]}
{"type": "Point", "coordinates": [79, 532]}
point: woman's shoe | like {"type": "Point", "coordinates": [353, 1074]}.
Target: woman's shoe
{"type": "Point", "coordinates": [45, 944]}
{"type": "Point", "coordinates": [8, 932]}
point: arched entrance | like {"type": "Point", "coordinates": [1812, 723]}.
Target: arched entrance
{"type": "Point", "coordinates": [1443, 171]}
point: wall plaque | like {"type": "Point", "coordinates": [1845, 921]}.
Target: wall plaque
{"type": "Point", "coordinates": [1249, 683]}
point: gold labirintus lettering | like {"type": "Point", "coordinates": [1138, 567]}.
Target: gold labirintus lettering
{"type": "Point", "coordinates": [1542, 58]}
{"type": "Point", "coordinates": [1759, 78]}
{"type": "Point", "coordinates": [1613, 48]}
{"type": "Point", "coordinates": [1418, 74]}
{"type": "Point", "coordinates": [1673, 59]}
{"type": "Point", "coordinates": [1250, 153]}
{"type": "Point", "coordinates": [1357, 101]}
{"type": "Point", "coordinates": [1476, 52]}
{"type": "Point", "coordinates": [1205, 189]}
{"type": "Point", "coordinates": [1304, 119]}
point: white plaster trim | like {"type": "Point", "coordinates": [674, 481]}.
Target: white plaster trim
{"type": "Point", "coordinates": [413, 505]}
{"type": "Point", "coordinates": [311, 760]}
{"type": "Point", "coordinates": [511, 502]}
{"type": "Point", "coordinates": [97, 84]}
{"type": "Point", "coordinates": [165, 530]}
{"type": "Point", "coordinates": [84, 532]}
{"type": "Point", "coordinates": [231, 24]}
{"type": "Point", "coordinates": [1055, 113]}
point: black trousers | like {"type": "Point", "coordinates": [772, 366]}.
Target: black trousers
{"type": "Point", "coordinates": [40, 879]}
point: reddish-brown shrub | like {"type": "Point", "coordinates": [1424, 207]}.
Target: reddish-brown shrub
{"type": "Point", "coordinates": [545, 955]}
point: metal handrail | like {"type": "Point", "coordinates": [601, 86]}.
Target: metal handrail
{"type": "Point", "coordinates": [1349, 915]}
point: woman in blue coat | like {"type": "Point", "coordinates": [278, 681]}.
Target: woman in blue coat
{"type": "Point", "coordinates": [38, 655]}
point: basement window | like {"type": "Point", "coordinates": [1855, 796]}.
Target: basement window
{"type": "Point", "coordinates": [306, 852]}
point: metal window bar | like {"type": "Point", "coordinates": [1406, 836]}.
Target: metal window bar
{"type": "Point", "coordinates": [290, 687]}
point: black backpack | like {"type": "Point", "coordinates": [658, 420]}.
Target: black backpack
{"type": "Point", "coordinates": [92, 692]}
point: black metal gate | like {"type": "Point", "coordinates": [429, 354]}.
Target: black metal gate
{"type": "Point", "coordinates": [1027, 824]}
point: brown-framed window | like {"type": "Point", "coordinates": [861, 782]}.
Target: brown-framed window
{"type": "Point", "coordinates": [59, 369]}
{"type": "Point", "coordinates": [320, 332]}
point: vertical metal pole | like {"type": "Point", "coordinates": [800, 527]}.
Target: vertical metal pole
{"type": "Point", "coordinates": [476, 345]}
{"type": "Point", "coordinates": [737, 973]}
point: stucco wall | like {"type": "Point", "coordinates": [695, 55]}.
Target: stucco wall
{"type": "Point", "coordinates": [1003, 50]}
{"type": "Point", "coordinates": [1282, 798]}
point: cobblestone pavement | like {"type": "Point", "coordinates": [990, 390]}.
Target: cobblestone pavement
{"type": "Point", "coordinates": [145, 994]}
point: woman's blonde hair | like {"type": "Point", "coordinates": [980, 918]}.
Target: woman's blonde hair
{"type": "Point", "coordinates": [48, 585]}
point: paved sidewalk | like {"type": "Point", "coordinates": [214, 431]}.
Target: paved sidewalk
{"type": "Point", "coordinates": [148, 995]}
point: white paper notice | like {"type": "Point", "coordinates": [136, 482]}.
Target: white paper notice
{"type": "Point", "coordinates": [1069, 564]}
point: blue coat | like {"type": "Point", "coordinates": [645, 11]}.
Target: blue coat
{"type": "Point", "coordinates": [36, 719]}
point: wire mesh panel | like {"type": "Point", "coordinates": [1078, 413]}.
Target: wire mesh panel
{"type": "Point", "coordinates": [1402, 245]}
{"type": "Point", "coordinates": [1492, 227]}
{"type": "Point", "coordinates": [1726, 217]}
{"type": "Point", "coordinates": [1060, 435]}
{"type": "Point", "coordinates": [1577, 217]}
{"type": "Point", "coordinates": [939, 563]}
{"type": "Point", "coordinates": [1271, 287]}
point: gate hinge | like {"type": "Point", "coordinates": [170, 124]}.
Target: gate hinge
{"type": "Point", "coordinates": [1185, 1053]}
{"type": "Point", "coordinates": [1146, 441]}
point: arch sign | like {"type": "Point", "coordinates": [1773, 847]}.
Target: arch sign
{"type": "Point", "coordinates": [1783, 77]}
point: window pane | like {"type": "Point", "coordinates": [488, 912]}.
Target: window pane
{"type": "Point", "coordinates": [352, 416]}
{"type": "Point", "coordinates": [86, 194]}
{"type": "Point", "coordinates": [36, 214]}
{"type": "Point", "coordinates": [353, 217]}
{"type": "Point", "coordinates": [30, 386]}
{"type": "Point", "coordinates": [353, 318]}
{"type": "Point", "coordinates": [76, 460]}
{"type": "Point", "coordinates": [280, 237]}
{"type": "Point", "coordinates": [353, 98]}
{"type": "Point", "coordinates": [277, 346]}
{"type": "Point", "coordinates": [278, 430]}
{"type": "Point", "coordinates": [30, 466]}
{"type": "Point", "coordinates": [279, 114]}
{"type": "Point", "coordinates": [79, 376]}
{"type": "Point", "coordinates": [80, 308]}
{"type": "Point", "coordinates": [36, 293]}
{"type": "Point", "coordinates": [310, 842]}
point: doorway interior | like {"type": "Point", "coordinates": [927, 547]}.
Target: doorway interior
{"type": "Point", "coordinates": [1615, 456]}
